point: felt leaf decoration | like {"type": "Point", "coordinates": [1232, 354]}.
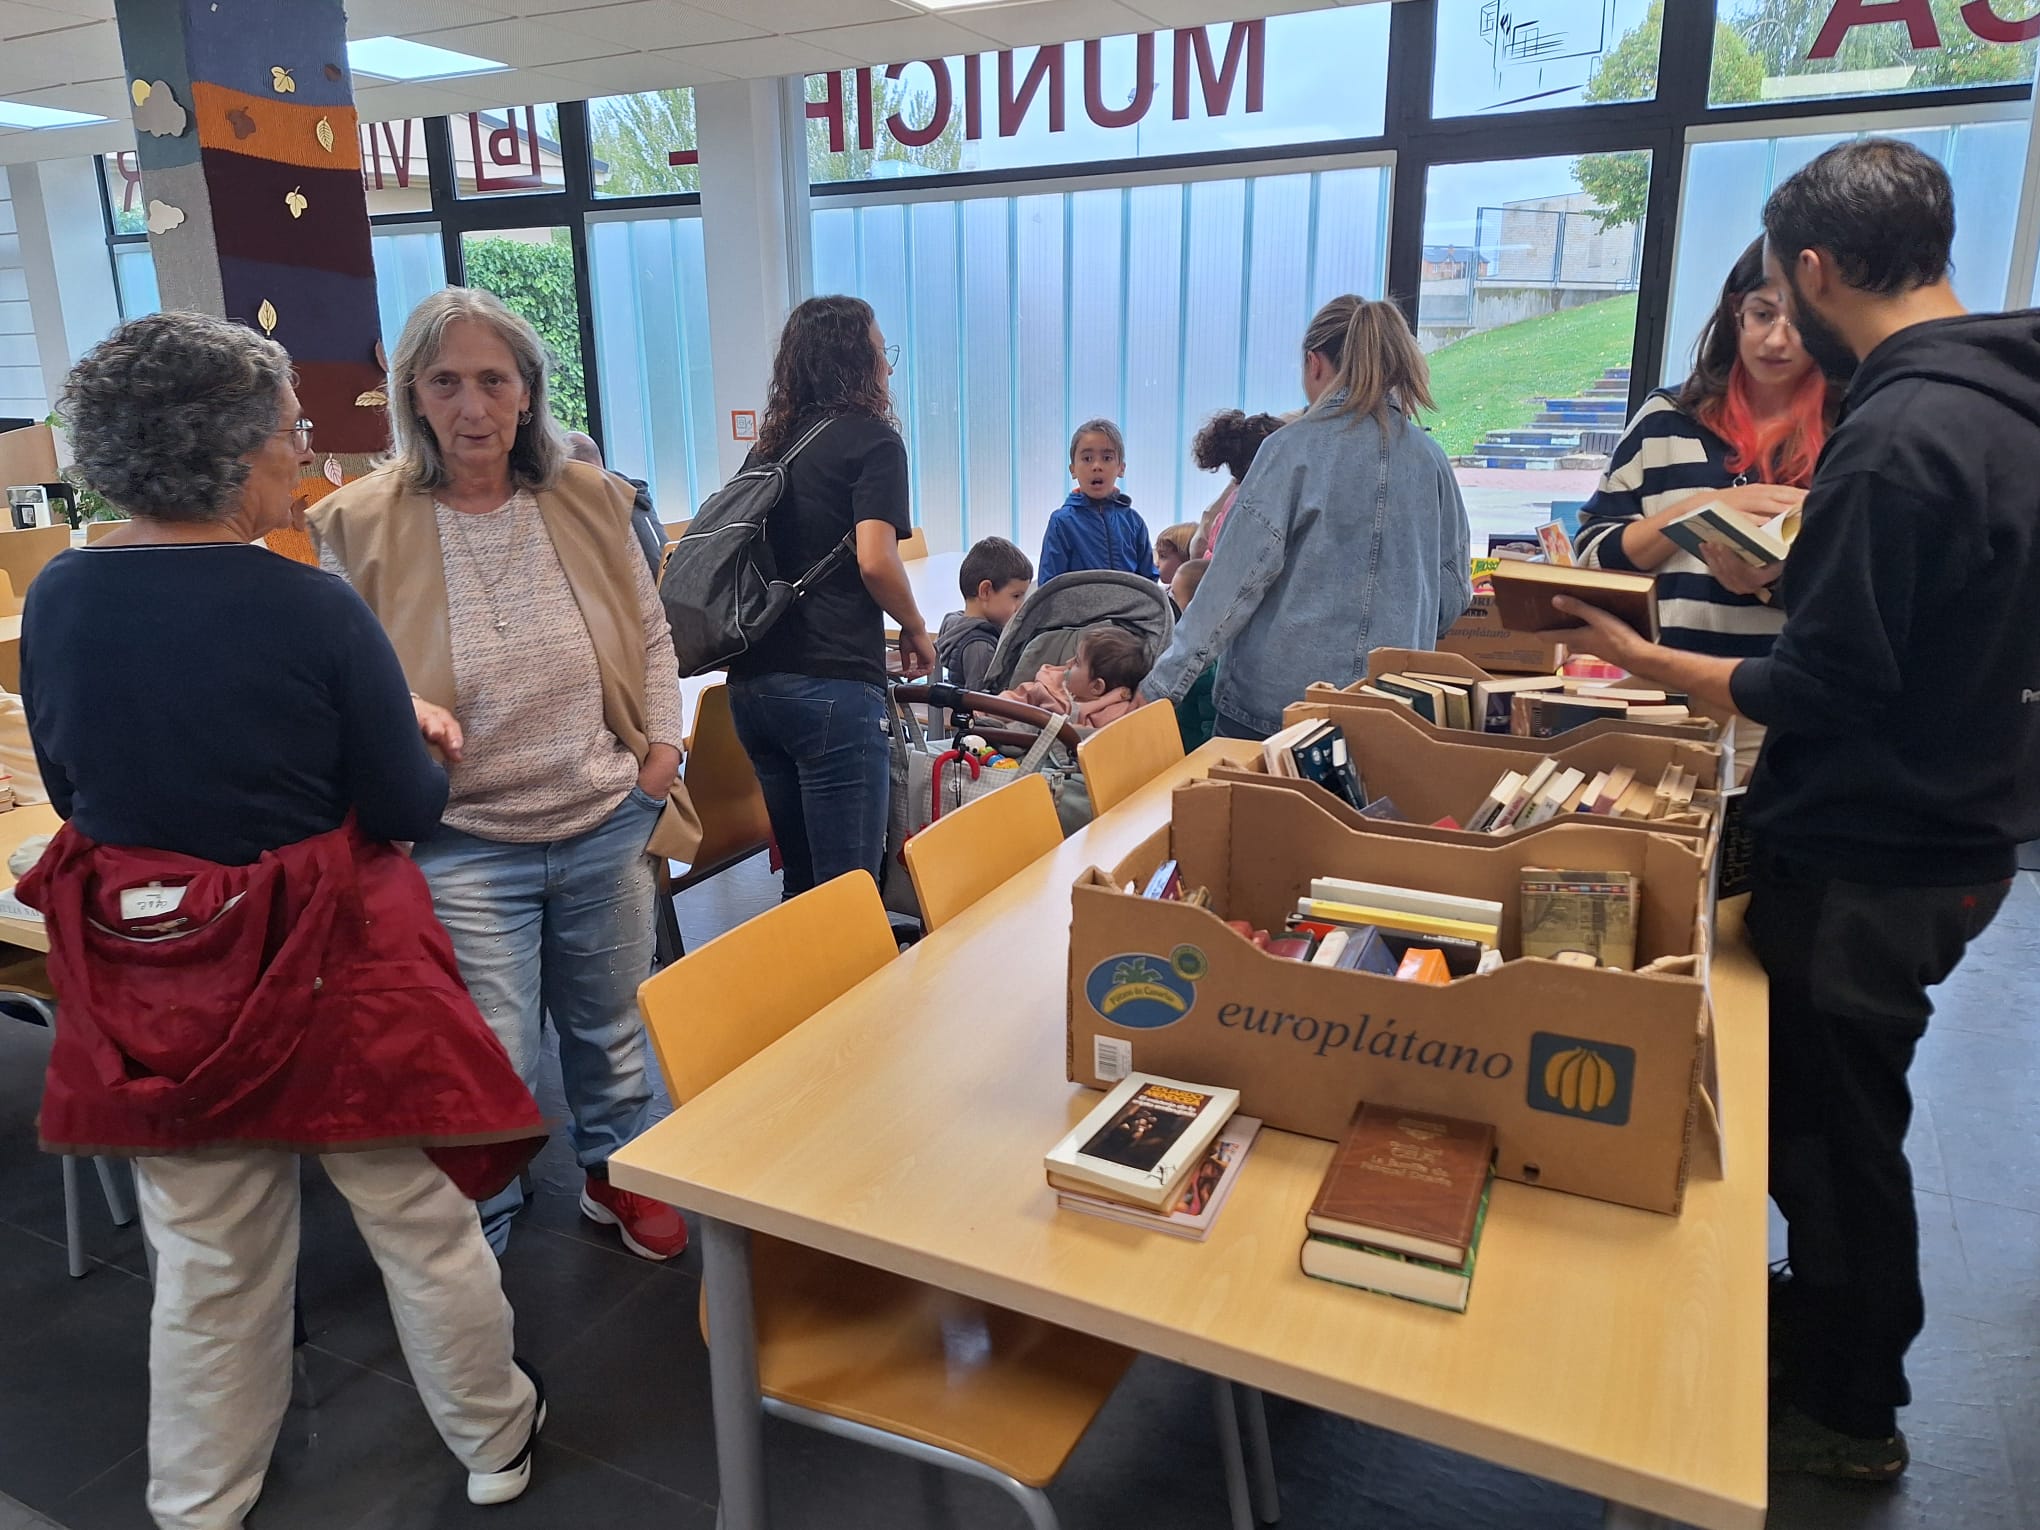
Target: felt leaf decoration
{"type": "Point", "coordinates": [294, 199]}
{"type": "Point", "coordinates": [374, 398]}
{"type": "Point", "coordinates": [280, 80]}
{"type": "Point", "coordinates": [324, 133]}
{"type": "Point", "coordinates": [242, 124]}
{"type": "Point", "coordinates": [333, 73]}
{"type": "Point", "coordinates": [163, 217]}
{"type": "Point", "coordinates": [334, 475]}
{"type": "Point", "coordinates": [266, 317]}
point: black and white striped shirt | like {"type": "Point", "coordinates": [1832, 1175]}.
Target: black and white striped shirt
{"type": "Point", "coordinates": [1665, 456]}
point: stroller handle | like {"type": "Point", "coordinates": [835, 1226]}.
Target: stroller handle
{"type": "Point", "coordinates": [955, 699]}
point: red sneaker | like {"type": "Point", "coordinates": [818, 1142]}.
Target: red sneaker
{"type": "Point", "coordinates": [650, 1229]}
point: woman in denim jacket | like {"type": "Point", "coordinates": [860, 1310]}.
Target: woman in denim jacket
{"type": "Point", "coordinates": [1348, 534]}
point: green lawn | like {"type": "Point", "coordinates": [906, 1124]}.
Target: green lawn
{"type": "Point", "coordinates": [1497, 380]}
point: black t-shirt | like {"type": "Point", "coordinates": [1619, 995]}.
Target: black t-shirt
{"type": "Point", "coordinates": [218, 701]}
{"type": "Point", "coordinates": [856, 470]}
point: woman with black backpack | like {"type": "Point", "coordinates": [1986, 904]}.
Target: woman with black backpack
{"type": "Point", "coordinates": [808, 697]}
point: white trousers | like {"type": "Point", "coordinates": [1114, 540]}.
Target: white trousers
{"type": "Point", "coordinates": [223, 1224]}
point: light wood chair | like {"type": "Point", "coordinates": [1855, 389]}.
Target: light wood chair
{"type": "Point", "coordinates": [734, 823]}
{"type": "Point", "coordinates": [963, 855]}
{"type": "Point", "coordinates": [675, 530]}
{"type": "Point", "coordinates": [23, 554]}
{"type": "Point", "coordinates": [10, 603]}
{"type": "Point", "coordinates": [914, 545]}
{"type": "Point", "coordinates": [843, 1347]}
{"type": "Point", "coordinates": [94, 530]}
{"type": "Point", "coordinates": [1124, 756]}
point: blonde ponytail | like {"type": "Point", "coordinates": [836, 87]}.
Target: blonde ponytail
{"type": "Point", "coordinates": [1375, 359]}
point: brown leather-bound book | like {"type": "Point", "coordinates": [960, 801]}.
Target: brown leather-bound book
{"type": "Point", "coordinates": [1406, 1180]}
{"type": "Point", "coordinates": [1523, 593]}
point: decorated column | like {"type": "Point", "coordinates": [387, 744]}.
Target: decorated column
{"type": "Point", "coordinates": [251, 172]}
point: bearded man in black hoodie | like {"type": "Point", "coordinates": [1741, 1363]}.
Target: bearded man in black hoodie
{"type": "Point", "coordinates": [1902, 767]}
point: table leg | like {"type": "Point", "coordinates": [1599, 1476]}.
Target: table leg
{"type": "Point", "coordinates": [733, 1374]}
{"type": "Point", "coordinates": [1619, 1516]}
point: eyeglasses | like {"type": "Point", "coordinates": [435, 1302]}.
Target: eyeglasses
{"type": "Point", "coordinates": [892, 355]}
{"type": "Point", "coordinates": [1761, 318]}
{"type": "Point", "coordinates": [300, 434]}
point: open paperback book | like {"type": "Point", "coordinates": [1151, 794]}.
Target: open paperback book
{"type": "Point", "coordinates": [1758, 545]}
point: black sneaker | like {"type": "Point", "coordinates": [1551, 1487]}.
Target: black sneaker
{"type": "Point", "coordinates": [511, 1481]}
{"type": "Point", "coordinates": [1806, 1446]}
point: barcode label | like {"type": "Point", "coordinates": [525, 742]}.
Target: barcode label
{"type": "Point", "coordinates": [1111, 1059]}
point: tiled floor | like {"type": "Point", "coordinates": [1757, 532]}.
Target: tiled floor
{"type": "Point", "coordinates": [629, 1441]}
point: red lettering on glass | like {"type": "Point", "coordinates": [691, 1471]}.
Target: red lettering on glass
{"type": "Point", "coordinates": [1248, 41]}
{"type": "Point", "coordinates": [973, 99]}
{"type": "Point", "coordinates": [1981, 17]}
{"type": "Point", "coordinates": [129, 169]}
{"type": "Point", "coordinates": [505, 149]}
{"type": "Point", "coordinates": [830, 108]}
{"type": "Point", "coordinates": [1047, 65]}
{"type": "Point", "coordinates": [372, 157]}
{"type": "Point", "coordinates": [866, 130]}
{"type": "Point", "coordinates": [684, 157]}
{"type": "Point", "coordinates": [938, 114]}
{"type": "Point", "coordinates": [1918, 16]}
{"type": "Point", "coordinates": [1143, 84]}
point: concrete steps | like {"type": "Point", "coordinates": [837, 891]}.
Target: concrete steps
{"type": "Point", "coordinates": [1576, 432]}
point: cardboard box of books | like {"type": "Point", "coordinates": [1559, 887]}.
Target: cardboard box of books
{"type": "Point", "coordinates": [1426, 778]}
{"type": "Point", "coordinates": [1452, 695]}
{"type": "Point", "coordinates": [1592, 1076]}
{"type": "Point", "coordinates": [1480, 636]}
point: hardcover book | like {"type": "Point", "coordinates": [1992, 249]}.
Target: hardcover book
{"type": "Point", "coordinates": [1406, 1180]}
{"type": "Point", "coordinates": [1142, 1139]}
{"type": "Point", "coordinates": [1523, 593]}
{"type": "Point", "coordinates": [1430, 1282]}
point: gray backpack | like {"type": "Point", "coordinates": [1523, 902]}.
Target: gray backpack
{"type": "Point", "coordinates": [721, 590]}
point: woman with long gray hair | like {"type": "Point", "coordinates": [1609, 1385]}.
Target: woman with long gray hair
{"type": "Point", "coordinates": [248, 969]}
{"type": "Point", "coordinates": [510, 581]}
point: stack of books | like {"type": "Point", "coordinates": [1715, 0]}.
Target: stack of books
{"type": "Point", "coordinates": [1315, 750]}
{"type": "Point", "coordinates": [1587, 918]}
{"type": "Point", "coordinates": [1143, 1144]}
{"type": "Point", "coordinates": [1197, 1203]}
{"type": "Point", "coordinates": [1547, 790]}
{"type": "Point", "coordinates": [1374, 927]}
{"type": "Point", "coordinates": [1403, 1205]}
{"type": "Point", "coordinates": [1545, 712]}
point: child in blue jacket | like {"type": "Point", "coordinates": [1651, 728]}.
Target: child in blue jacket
{"type": "Point", "coordinates": [1097, 526]}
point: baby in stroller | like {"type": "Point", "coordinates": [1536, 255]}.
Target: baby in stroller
{"type": "Point", "coordinates": [1097, 686]}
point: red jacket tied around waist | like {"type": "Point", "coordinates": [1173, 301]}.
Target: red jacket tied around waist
{"type": "Point", "coordinates": [308, 1002]}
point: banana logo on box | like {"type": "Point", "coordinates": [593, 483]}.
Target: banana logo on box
{"type": "Point", "coordinates": [1586, 1080]}
{"type": "Point", "coordinates": [1145, 993]}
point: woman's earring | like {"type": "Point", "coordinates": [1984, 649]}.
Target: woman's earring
{"type": "Point", "coordinates": [524, 418]}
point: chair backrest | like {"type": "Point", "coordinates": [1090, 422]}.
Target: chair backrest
{"type": "Point", "coordinates": [94, 530]}
{"type": "Point", "coordinates": [718, 1006]}
{"type": "Point", "coordinates": [10, 603]}
{"type": "Point", "coordinates": [725, 789]}
{"type": "Point", "coordinates": [963, 855]}
{"type": "Point", "coordinates": [1124, 756]}
{"type": "Point", "coordinates": [914, 546]}
{"type": "Point", "coordinates": [23, 553]}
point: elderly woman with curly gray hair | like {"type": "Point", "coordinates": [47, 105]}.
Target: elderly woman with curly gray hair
{"type": "Point", "coordinates": [247, 968]}
{"type": "Point", "coordinates": [510, 580]}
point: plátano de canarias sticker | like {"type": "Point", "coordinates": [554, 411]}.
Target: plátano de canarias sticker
{"type": "Point", "coordinates": [1586, 1080]}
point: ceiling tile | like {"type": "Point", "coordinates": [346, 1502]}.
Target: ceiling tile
{"type": "Point", "coordinates": [391, 103]}
{"type": "Point", "coordinates": [88, 10]}
{"type": "Point", "coordinates": [631, 73]}
{"type": "Point", "coordinates": [787, 16]}
{"type": "Point", "coordinates": [761, 58]}
{"type": "Point", "coordinates": [1051, 21]}
{"type": "Point", "coordinates": [106, 98]}
{"type": "Point", "coordinates": [90, 52]}
{"type": "Point", "coordinates": [18, 20]}
{"type": "Point", "coordinates": [407, 18]}
{"type": "Point", "coordinates": [519, 42]}
{"type": "Point", "coordinates": [897, 42]}
{"type": "Point", "coordinates": [1195, 13]}
{"type": "Point", "coordinates": [651, 24]}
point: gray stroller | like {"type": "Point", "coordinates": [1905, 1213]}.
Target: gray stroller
{"type": "Point", "coordinates": [934, 774]}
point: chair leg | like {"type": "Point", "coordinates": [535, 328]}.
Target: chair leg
{"type": "Point", "coordinates": [74, 1230]}
{"type": "Point", "coordinates": [1261, 1458]}
{"type": "Point", "coordinates": [116, 1199]}
{"type": "Point", "coordinates": [1040, 1512]}
{"type": "Point", "coordinates": [667, 945]}
{"type": "Point", "coordinates": [1237, 1497]}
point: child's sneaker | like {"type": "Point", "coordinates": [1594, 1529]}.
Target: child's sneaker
{"type": "Point", "coordinates": [512, 1480]}
{"type": "Point", "coordinates": [1804, 1445]}
{"type": "Point", "coordinates": [650, 1229]}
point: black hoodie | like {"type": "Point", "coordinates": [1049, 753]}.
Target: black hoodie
{"type": "Point", "coordinates": [1903, 696]}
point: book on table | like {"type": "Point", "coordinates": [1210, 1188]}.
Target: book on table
{"type": "Point", "coordinates": [1141, 1139]}
{"type": "Point", "coordinates": [1401, 1207]}
{"type": "Point", "coordinates": [1524, 592]}
{"type": "Point", "coordinates": [1199, 1200]}
{"type": "Point", "coordinates": [1758, 544]}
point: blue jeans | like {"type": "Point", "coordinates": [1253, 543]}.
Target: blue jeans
{"type": "Point", "coordinates": [820, 752]}
{"type": "Point", "coordinates": [561, 928]}
{"type": "Point", "coordinates": [1232, 727]}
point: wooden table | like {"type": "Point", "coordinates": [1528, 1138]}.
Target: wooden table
{"type": "Point", "coordinates": [16, 826]}
{"type": "Point", "coordinates": [1615, 1351]}
{"type": "Point", "coordinates": [10, 653]}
